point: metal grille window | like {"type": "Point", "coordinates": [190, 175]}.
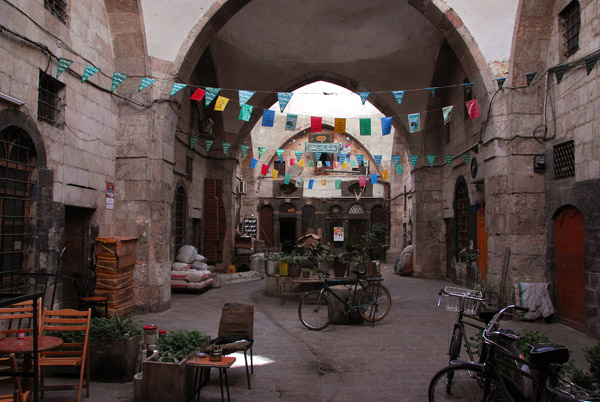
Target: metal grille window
{"type": "Point", "coordinates": [17, 163]}
{"type": "Point", "coordinates": [462, 209]}
{"type": "Point", "coordinates": [308, 219]}
{"type": "Point", "coordinates": [379, 215]}
{"type": "Point", "coordinates": [280, 166]}
{"type": "Point", "coordinates": [58, 8]}
{"type": "Point", "coordinates": [50, 102]}
{"type": "Point", "coordinates": [189, 168]}
{"type": "Point", "coordinates": [356, 209]}
{"type": "Point", "coordinates": [180, 208]}
{"type": "Point", "coordinates": [564, 160]}
{"type": "Point", "coordinates": [570, 22]}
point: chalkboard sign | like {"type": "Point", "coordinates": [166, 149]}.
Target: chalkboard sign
{"type": "Point", "coordinates": [250, 227]}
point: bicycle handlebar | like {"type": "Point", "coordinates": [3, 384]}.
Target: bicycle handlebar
{"type": "Point", "coordinates": [492, 324]}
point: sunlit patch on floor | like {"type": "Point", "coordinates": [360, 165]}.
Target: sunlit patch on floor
{"type": "Point", "coordinates": [258, 360]}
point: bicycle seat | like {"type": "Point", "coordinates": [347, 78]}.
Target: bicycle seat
{"type": "Point", "coordinates": [359, 273]}
{"type": "Point", "coordinates": [547, 354]}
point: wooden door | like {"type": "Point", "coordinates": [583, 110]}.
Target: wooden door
{"type": "Point", "coordinates": [75, 259]}
{"type": "Point", "coordinates": [570, 268]}
{"type": "Point", "coordinates": [212, 226]}
{"type": "Point", "coordinates": [482, 239]}
{"type": "Point", "coordinates": [266, 225]}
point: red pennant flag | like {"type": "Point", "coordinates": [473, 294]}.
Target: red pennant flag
{"type": "Point", "coordinates": [473, 108]}
{"type": "Point", "coordinates": [264, 169]}
{"type": "Point", "coordinates": [362, 181]}
{"type": "Point", "coordinates": [316, 124]}
{"type": "Point", "coordinates": [198, 94]}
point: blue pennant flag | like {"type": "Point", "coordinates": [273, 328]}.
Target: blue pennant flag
{"type": "Point", "coordinates": [211, 94]}
{"type": "Point", "coordinates": [145, 82]}
{"type": "Point", "coordinates": [310, 183]}
{"type": "Point", "coordinates": [374, 178]}
{"type": "Point", "coordinates": [328, 163]}
{"type": "Point", "coordinates": [176, 88]}
{"type": "Point", "coordinates": [399, 95]}
{"type": "Point", "coordinates": [88, 72]}
{"type": "Point", "coordinates": [317, 156]}
{"type": "Point", "coordinates": [396, 159]}
{"type": "Point", "coordinates": [253, 163]}
{"type": "Point", "coordinates": [245, 96]}
{"type": "Point", "coordinates": [298, 155]}
{"type": "Point", "coordinates": [117, 79]}
{"type": "Point", "coordinates": [386, 125]}
{"type": "Point", "coordinates": [378, 159]}
{"type": "Point", "coordinates": [359, 158]}
{"type": "Point", "coordinates": [284, 98]}
{"type": "Point", "coordinates": [363, 96]}
{"type": "Point", "coordinates": [268, 118]}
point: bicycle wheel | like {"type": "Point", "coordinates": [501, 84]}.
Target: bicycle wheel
{"type": "Point", "coordinates": [314, 310]}
{"type": "Point", "coordinates": [377, 300]}
{"type": "Point", "coordinates": [466, 385]}
{"type": "Point", "coordinates": [455, 343]}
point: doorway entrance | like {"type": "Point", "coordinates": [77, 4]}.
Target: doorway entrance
{"type": "Point", "coordinates": [76, 259]}
{"type": "Point", "coordinates": [570, 268]}
{"type": "Point", "coordinates": [287, 234]}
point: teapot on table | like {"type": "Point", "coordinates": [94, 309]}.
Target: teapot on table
{"type": "Point", "coordinates": [215, 354]}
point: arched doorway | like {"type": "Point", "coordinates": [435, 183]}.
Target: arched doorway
{"type": "Point", "coordinates": [570, 268]}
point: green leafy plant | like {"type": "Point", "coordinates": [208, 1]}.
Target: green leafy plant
{"type": "Point", "coordinates": [469, 255]}
{"type": "Point", "coordinates": [114, 328]}
{"type": "Point", "coordinates": [177, 345]}
{"type": "Point", "coordinates": [371, 242]}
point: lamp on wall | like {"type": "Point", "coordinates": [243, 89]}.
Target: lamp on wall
{"type": "Point", "coordinates": [10, 99]}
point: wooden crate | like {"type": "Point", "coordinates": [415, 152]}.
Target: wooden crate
{"type": "Point", "coordinates": [115, 295]}
{"type": "Point", "coordinates": [117, 262]}
{"type": "Point", "coordinates": [115, 246]}
{"type": "Point", "coordinates": [122, 311]}
{"type": "Point", "coordinates": [106, 270]}
{"type": "Point", "coordinates": [114, 282]}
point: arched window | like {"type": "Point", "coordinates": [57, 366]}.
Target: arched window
{"type": "Point", "coordinates": [180, 217]}
{"type": "Point", "coordinates": [308, 219]}
{"type": "Point", "coordinates": [17, 164]}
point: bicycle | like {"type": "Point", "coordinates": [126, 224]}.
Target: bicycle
{"type": "Point", "coordinates": [369, 297]}
{"type": "Point", "coordinates": [490, 382]}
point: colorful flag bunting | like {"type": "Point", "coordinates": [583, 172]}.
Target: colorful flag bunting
{"type": "Point", "coordinates": [221, 103]}
{"type": "Point", "coordinates": [244, 150]}
{"type": "Point", "coordinates": [284, 98]}
{"type": "Point", "coordinates": [287, 178]}
{"type": "Point", "coordinates": [117, 79]}
{"type": "Point", "coordinates": [298, 155]}
{"type": "Point", "coordinates": [253, 163]}
{"type": "Point", "coordinates": [414, 159]}
{"type": "Point", "coordinates": [292, 161]}
{"type": "Point", "coordinates": [396, 159]}
{"type": "Point", "coordinates": [176, 88]}
{"type": "Point", "coordinates": [264, 169]}
{"type": "Point", "coordinates": [63, 65]}
{"type": "Point", "coordinates": [447, 112]}
{"type": "Point", "coordinates": [399, 95]}
{"type": "Point", "coordinates": [530, 76]}
{"type": "Point", "coordinates": [245, 112]}
{"type": "Point", "coordinates": [323, 183]}
{"type": "Point", "coordinates": [473, 108]}
{"type": "Point", "coordinates": [198, 94]}
{"type": "Point", "coordinates": [317, 155]}
{"type": "Point", "coordinates": [432, 91]}
{"type": "Point", "coordinates": [88, 72]}
{"type": "Point", "coordinates": [211, 94]}
{"type": "Point", "coordinates": [260, 151]}
{"type": "Point", "coordinates": [226, 146]}
{"type": "Point", "coordinates": [319, 164]}
{"type": "Point", "coordinates": [301, 163]}
{"type": "Point", "coordinates": [311, 163]}
{"type": "Point", "coordinates": [431, 159]}
{"type": "Point", "coordinates": [310, 184]}
{"type": "Point", "coordinates": [268, 118]}
{"type": "Point", "coordinates": [316, 124]}
{"type": "Point", "coordinates": [385, 175]}
{"type": "Point", "coordinates": [500, 82]}
{"type": "Point", "coordinates": [280, 153]}
{"type": "Point", "coordinates": [336, 164]}
{"type": "Point", "coordinates": [466, 158]}
{"type": "Point", "coordinates": [145, 82]}
{"type": "Point", "coordinates": [378, 159]}
{"type": "Point", "coordinates": [328, 163]}
{"type": "Point", "coordinates": [559, 71]}
{"type": "Point", "coordinates": [362, 181]}
{"type": "Point", "coordinates": [359, 158]}
{"type": "Point", "coordinates": [365, 126]}
{"type": "Point", "coordinates": [208, 144]}
{"type": "Point", "coordinates": [373, 178]}
{"type": "Point", "coordinates": [245, 96]}
{"type": "Point", "coordinates": [590, 62]}
{"type": "Point", "coordinates": [353, 163]}
{"type": "Point", "coordinates": [339, 126]}
{"type": "Point", "coordinates": [338, 184]}
{"type": "Point", "coordinates": [274, 173]}
{"type": "Point", "coordinates": [414, 122]}
{"type": "Point", "coordinates": [399, 169]}
{"type": "Point", "coordinates": [449, 159]}
{"type": "Point", "coordinates": [468, 87]}
{"type": "Point", "coordinates": [299, 182]}
{"type": "Point", "coordinates": [290, 122]}
{"type": "Point", "coordinates": [363, 96]}
{"type": "Point", "coordinates": [193, 141]}
{"type": "Point", "coordinates": [386, 125]}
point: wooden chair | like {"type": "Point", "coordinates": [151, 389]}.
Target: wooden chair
{"type": "Point", "coordinates": [18, 317]}
{"type": "Point", "coordinates": [85, 294]}
{"type": "Point", "coordinates": [10, 364]}
{"type": "Point", "coordinates": [70, 354]}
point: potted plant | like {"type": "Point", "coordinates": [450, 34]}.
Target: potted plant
{"type": "Point", "coordinates": [272, 260]}
{"type": "Point", "coordinates": [295, 263]}
{"type": "Point", "coordinates": [371, 246]}
{"type": "Point", "coordinates": [339, 262]}
{"type": "Point", "coordinates": [114, 348]}
{"type": "Point", "coordinates": [165, 377]}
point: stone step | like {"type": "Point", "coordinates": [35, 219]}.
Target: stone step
{"type": "Point", "coordinates": [238, 277]}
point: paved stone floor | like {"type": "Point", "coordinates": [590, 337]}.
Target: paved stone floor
{"type": "Point", "coordinates": [392, 361]}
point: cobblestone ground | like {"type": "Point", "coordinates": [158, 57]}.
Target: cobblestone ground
{"type": "Point", "coordinates": [392, 361]}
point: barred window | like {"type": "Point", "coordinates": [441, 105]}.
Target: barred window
{"type": "Point", "coordinates": [50, 100]}
{"type": "Point", "coordinates": [564, 160]}
{"type": "Point", "coordinates": [462, 206]}
{"type": "Point", "coordinates": [180, 208]}
{"type": "Point", "coordinates": [356, 209]}
{"type": "Point", "coordinates": [308, 219]}
{"type": "Point", "coordinates": [570, 24]}
{"type": "Point", "coordinates": [58, 8]}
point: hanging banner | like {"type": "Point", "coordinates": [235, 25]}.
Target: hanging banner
{"type": "Point", "coordinates": [449, 159]}
{"type": "Point", "coordinates": [145, 82]}
{"type": "Point", "coordinates": [176, 88]}
{"type": "Point", "coordinates": [301, 163]}
{"type": "Point", "coordinates": [245, 113]}
{"type": "Point", "coordinates": [226, 146]}
{"type": "Point", "coordinates": [208, 144]}
{"type": "Point", "coordinates": [473, 108]}
{"type": "Point", "coordinates": [378, 159]}
{"type": "Point", "coordinates": [399, 169]}
{"type": "Point", "coordinates": [386, 125]}
{"type": "Point", "coordinates": [447, 112]}
{"type": "Point", "coordinates": [328, 163]}
{"type": "Point", "coordinates": [290, 122]}
{"type": "Point", "coordinates": [268, 118]}
{"type": "Point", "coordinates": [299, 182]}
{"type": "Point", "coordinates": [365, 126]}
{"type": "Point", "coordinates": [298, 155]}
{"type": "Point", "coordinates": [363, 96]}
{"type": "Point", "coordinates": [413, 159]}
{"type": "Point", "coordinates": [221, 103]}
{"type": "Point", "coordinates": [319, 164]}
{"type": "Point", "coordinates": [88, 72]}
{"type": "Point", "coordinates": [359, 158]}
{"type": "Point", "coordinates": [316, 124]}
{"type": "Point", "coordinates": [117, 79]}
{"type": "Point", "coordinates": [339, 126]}
{"type": "Point", "coordinates": [310, 184]}
{"type": "Point", "coordinates": [466, 158]}
{"type": "Point", "coordinates": [362, 181]}
{"type": "Point", "coordinates": [253, 163]}
{"type": "Point", "coordinates": [431, 159]}
{"type": "Point", "coordinates": [530, 77]}
{"type": "Point", "coordinates": [286, 179]}
{"type": "Point", "coordinates": [385, 175]}
{"type": "Point", "coordinates": [399, 95]}
{"type": "Point", "coordinates": [63, 65]}
{"type": "Point", "coordinates": [338, 184]}
{"type": "Point", "coordinates": [245, 96]}
{"type": "Point", "coordinates": [374, 178]}
{"type": "Point", "coordinates": [323, 148]}
{"type": "Point", "coordinates": [264, 169]}
{"type": "Point", "coordinates": [317, 155]}
{"type": "Point", "coordinates": [284, 98]}
{"type": "Point", "coordinates": [414, 122]}
{"type": "Point", "coordinates": [244, 150]}
{"type": "Point", "coordinates": [500, 82]}
{"type": "Point", "coordinates": [590, 62]}
{"type": "Point", "coordinates": [292, 161]}
{"type": "Point", "coordinates": [193, 141]}
{"type": "Point", "coordinates": [280, 153]}
{"type": "Point", "coordinates": [198, 94]}
{"type": "Point", "coordinates": [396, 159]}
{"type": "Point", "coordinates": [559, 72]}
{"type": "Point", "coordinates": [260, 151]}
{"type": "Point", "coordinates": [336, 164]}
{"type": "Point", "coordinates": [353, 163]}
{"type": "Point", "coordinates": [323, 183]}
{"type": "Point", "coordinates": [211, 94]}
{"type": "Point", "coordinates": [275, 173]}
{"type": "Point", "coordinates": [311, 163]}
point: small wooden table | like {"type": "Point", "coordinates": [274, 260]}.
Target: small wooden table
{"type": "Point", "coordinates": [203, 363]}
{"type": "Point", "coordinates": [25, 347]}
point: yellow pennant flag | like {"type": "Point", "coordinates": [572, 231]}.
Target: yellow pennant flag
{"type": "Point", "coordinates": [385, 175]}
{"type": "Point", "coordinates": [323, 182]}
{"type": "Point", "coordinates": [344, 165]}
{"type": "Point", "coordinates": [221, 103]}
{"type": "Point", "coordinates": [301, 163]}
{"type": "Point", "coordinates": [340, 126]}
{"type": "Point", "coordinates": [275, 173]}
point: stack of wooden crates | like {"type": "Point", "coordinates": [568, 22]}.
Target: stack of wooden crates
{"type": "Point", "coordinates": [115, 261]}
